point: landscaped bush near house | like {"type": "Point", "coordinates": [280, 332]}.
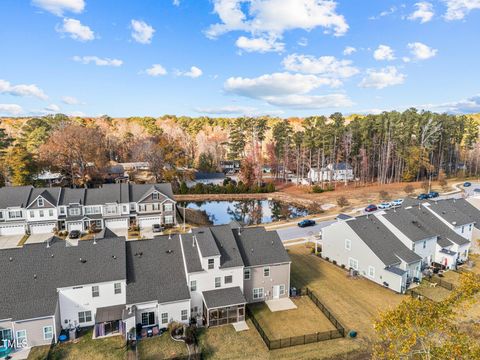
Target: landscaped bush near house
{"type": "Point", "coordinates": [318, 189]}
{"type": "Point", "coordinates": [342, 201]}
{"type": "Point", "coordinates": [230, 187]}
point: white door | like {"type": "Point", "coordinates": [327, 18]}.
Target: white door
{"type": "Point", "coordinates": [146, 223]}
{"type": "Point", "coordinates": [276, 291]}
{"type": "Point", "coordinates": [17, 229]}
{"type": "Point", "coordinates": [46, 228]}
{"type": "Point", "coordinates": [116, 223]}
{"type": "Point", "coordinates": [75, 226]}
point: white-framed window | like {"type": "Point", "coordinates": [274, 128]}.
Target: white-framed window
{"type": "Point", "coordinates": [142, 207]}
{"type": "Point", "coordinates": [62, 210]}
{"type": "Point", "coordinates": [15, 214]}
{"type": "Point", "coordinates": [74, 211]}
{"type": "Point", "coordinates": [42, 214]}
{"type": "Point", "coordinates": [184, 315]}
{"type": "Point", "coordinates": [469, 227]}
{"type": "Point", "coordinates": [218, 282]}
{"type": "Point", "coordinates": [164, 318]}
{"type": "Point", "coordinates": [348, 244]}
{"type": "Point", "coordinates": [125, 208]}
{"type": "Point", "coordinates": [168, 219]}
{"type": "Point", "coordinates": [84, 316]}
{"type": "Point", "coordinates": [168, 207]}
{"type": "Point", "coordinates": [266, 271]}
{"type": "Point", "coordinates": [257, 293]}
{"type": "Point", "coordinates": [110, 209]}
{"type": "Point", "coordinates": [32, 213]}
{"type": "Point", "coordinates": [40, 202]}
{"type": "Point", "coordinates": [413, 247]}
{"type": "Point", "coordinates": [117, 288]}
{"type": "Point", "coordinates": [148, 318]}
{"type": "Point", "coordinates": [21, 337]}
{"type": "Point", "coordinates": [47, 332]}
{"type": "Point", "coordinates": [211, 263]}
{"type": "Point", "coordinates": [193, 285]}
{"type": "Point", "coordinates": [282, 289]}
{"type": "Point", "coordinates": [228, 279]}
{"type": "Point", "coordinates": [371, 272]}
{"type": "Point", "coordinates": [95, 291]}
{"type": "Point", "coordinates": [92, 210]}
{"type": "Point", "coordinates": [353, 263]}
{"type": "Point", "coordinates": [424, 244]}
{"type": "Point", "coordinates": [246, 274]}
{"type": "Point", "coordinates": [50, 212]}
{"type": "Point", "coordinates": [155, 196]}
{"type": "Point", "coordinates": [5, 334]}
{"type": "Point", "coordinates": [1, 214]}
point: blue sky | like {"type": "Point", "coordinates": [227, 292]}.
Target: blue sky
{"type": "Point", "coordinates": [237, 57]}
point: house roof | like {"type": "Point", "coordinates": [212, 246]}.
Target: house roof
{"type": "Point", "coordinates": [138, 191]}
{"type": "Point", "coordinates": [209, 176]}
{"type": "Point", "coordinates": [229, 252]}
{"type": "Point", "coordinates": [385, 245]}
{"type": "Point", "coordinates": [343, 217]}
{"type": "Point", "coordinates": [260, 247]}
{"type": "Point", "coordinates": [206, 242]}
{"type": "Point", "coordinates": [15, 196]}
{"type": "Point", "coordinates": [468, 209]}
{"type": "Point", "coordinates": [52, 195]}
{"type": "Point", "coordinates": [72, 196]}
{"type": "Point", "coordinates": [408, 224]}
{"type": "Point", "coordinates": [395, 270]}
{"type": "Point", "coordinates": [108, 194]}
{"type": "Point", "coordinates": [223, 297]}
{"type": "Point", "coordinates": [190, 251]}
{"type": "Point", "coordinates": [341, 166]}
{"type": "Point", "coordinates": [32, 274]}
{"type": "Point", "coordinates": [155, 271]}
{"type": "Point", "coordinates": [446, 210]}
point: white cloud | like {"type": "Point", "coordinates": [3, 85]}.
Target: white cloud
{"type": "Point", "coordinates": [58, 7]}
{"type": "Point", "coordinates": [272, 18]}
{"type": "Point", "coordinates": [70, 100]}
{"type": "Point", "coordinates": [22, 90]}
{"type": "Point", "coordinates": [176, 2]}
{"type": "Point", "coordinates": [465, 106]}
{"type": "Point", "coordinates": [406, 59]}
{"type": "Point", "coordinates": [349, 50]}
{"type": "Point", "coordinates": [98, 61]}
{"type": "Point", "coordinates": [76, 30]}
{"type": "Point", "coordinates": [325, 65]}
{"type": "Point", "coordinates": [76, 114]}
{"type": "Point", "coordinates": [227, 110]}
{"type": "Point", "coordinates": [52, 108]}
{"type": "Point", "coordinates": [261, 45]}
{"type": "Point", "coordinates": [142, 32]}
{"type": "Point", "coordinates": [421, 51]}
{"type": "Point", "coordinates": [382, 78]}
{"type": "Point", "coordinates": [384, 52]}
{"type": "Point", "coordinates": [458, 9]}
{"type": "Point", "coordinates": [156, 70]}
{"type": "Point", "coordinates": [10, 109]}
{"type": "Point", "coordinates": [424, 12]}
{"type": "Point", "coordinates": [194, 72]}
{"type": "Point", "coordinates": [303, 41]}
{"type": "Point", "coordinates": [384, 13]}
{"type": "Point", "coordinates": [310, 101]}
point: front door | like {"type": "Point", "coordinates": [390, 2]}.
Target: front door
{"type": "Point", "coordinates": [276, 292]}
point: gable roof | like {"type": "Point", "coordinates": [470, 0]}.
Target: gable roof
{"type": "Point", "coordinates": [223, 297]}
{"type": "Point", "coordinates": [155, 271]}
{"type": "Point", "coordinates": [384, 244]}
{"type": "Point", "coordinates": [446, 210]}
{"type": "Point", "coordinates": [408, 224]}
{"type": "Point", "coordinates": [190, 251]}
{"type": "Point", "coordinates": [260, 247]}
{"type": "Point", "coordinates": [107, 194]}
{"type": "Point", "coordinates": [206, 242]}
{"type": "Point", "coordinates": [51, 195]}
{"type": "Point", "coordinates": [72, 196]}
{"type": "Point", "coordinates": [139, 191]}
{"type": "Point", "coordinates": [33, 273]}
{"type": "Point", "coordinates": [14, 196]}
{"type": "Point", "coordinates": [229, 250]}
{"type": "Point", "coordinates": [209, 176]}
{"type": "Point", "coordinates": [465, 207]}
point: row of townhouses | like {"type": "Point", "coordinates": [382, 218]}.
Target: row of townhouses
{"type": "Point", "coordinates": [332, 172]}
{"type": "Point", "coordinates": [393, 247]}
{"type": "Point", "coordinates": [206, 276]}
{"type": "Point", "coordinates": [26, 209]}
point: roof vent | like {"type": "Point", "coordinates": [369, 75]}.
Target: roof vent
{"type": "Point", "coordinates": [454, 223]}
{"type": "Point", "coordinates": [169, 251]}
{"type": "Point", "coordinates": [272, 242]}
{"type": "Point", "coordinates": [169, 236]}
{"type": "Point", "coordinates": [10, 259]}
{"type": "Point", "coordinates": [114, 257]}
{"type": "Point", "coordinates": [94, 240]}
{"type": "Point", "coordinates": [52, 255]}
{"type": "Point", "coordinates": [35, 276]}
{"type": "Point", "coordinates": [83, 261]}
{"type": "Point", "coordinates": [251, 250]}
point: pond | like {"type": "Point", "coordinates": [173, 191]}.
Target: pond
{"type": "Point", "coordinates": [246, 211]}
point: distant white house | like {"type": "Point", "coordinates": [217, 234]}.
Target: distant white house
{"type": "Point", "coordinates": [332, 172]}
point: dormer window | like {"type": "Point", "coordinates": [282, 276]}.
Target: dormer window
{"type": "Point", "coordinates": [211, 263]}
{"type": "Point", "coordinates": [40, 202]}
{"type": "Point", "coordinates": [155, 196]}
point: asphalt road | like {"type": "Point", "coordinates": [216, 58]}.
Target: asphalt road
{"type": "Point", "coordinates": [295, 232]}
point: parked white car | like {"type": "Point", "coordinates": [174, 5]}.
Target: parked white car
{"type": "Point", "coordinates": [397, 202]}
{"type": "Point", "coordinates": [384, 206]}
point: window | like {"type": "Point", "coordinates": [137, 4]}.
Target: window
{"type": "Point", "coordinates": [93, 210]}
{"type": "Point", "coordinates": [193, 285]}
{"type": "Point", "coordinates": [125, 208]}
{"type": "Point", "coordinates": [148, 318]}
{"type": "Point", "coordinates": [424, 244]}
{"type": "Point", "coordinates": [218, 282]}
{"type": "Point", "coordinates": [413, 247]}
{"type": "Point", "coordinates": [50, 212]}
{"type": "Point", "coordinates": [282, 290]}
{"type": "Point", "coordinates": [21, 337]}
{"type": "Point", "coordinates": [1, 214]}
{"type": "Point", "coordinates": [110, 209]}
{"type": "Point", "coordinates": [469, 227]}
{"type": "Point", "coordinates": [117, 288]}
{"type": "Point", "coordinates": [246, 274]}
{"type": "Point", "coordinates": [184, 315]}
{"type": "Point", "coordinates": [47, 332]}
{"type": "Point", "coordinates": [84, 316]}
{"type": "Point", "coordinates": [169, 219]}
{"type": "Point", "coordinates": [95, 291]}
{"type": "Point", "coordinates": [40, 202]}
{"type": "Point", "coordinates": [463, 229]}
{"type": "Point", "coordinates": [74, 211]}
{"type": "Point", "coordinates": [164, 318]}
{"type": "Point", "coordinates": [42, 214]}
{"type": "Point", "coordinates": [155, 196]}
{"type": "Point", "coordinates": [32, 213]}
{"type": "Point", "coordinates": [371, 272]}
{"type": "Point", "coordinates": [266, 271]}
{"type": "Point", "coordinates": [142, 207]}
{"type": "Point", "coordinates": [15, 214]}
{"type": "Point", "coordinates": [257, 293]}
{"type": "Point", "coordinates": [62, 211]}
{"type": "Point", "coordinates": [348, 244]}
{"type": "Point", "coordinates": [228, 279]}
{"type": "Point", "coordinates": [211, 263]}
{"type": "Point", "coordinates": [352, 263]}
{"type": "Point", "coordinates": [168, 207]}
{"type": "Point", "coordinates": [5, 334]}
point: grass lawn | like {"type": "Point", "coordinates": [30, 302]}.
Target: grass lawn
{"type": "Point", "coordinates": [451, 277]}
{"type": "Point", "coordinates": [161, 347]}
{"type": "Point", "coordinates": [85, 348]}
{"type": "Point", "coordinates": [436, 293]}
{"type": "Point", "coordinates": [306, 319]}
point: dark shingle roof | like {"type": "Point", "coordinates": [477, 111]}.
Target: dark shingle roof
{"type": "Point", "coordinates": [50, 194]}
{"type": "Point", "coordinates": [206, 242]}
{"type": "Point", "coordinates": [26, 296]}
{"type": "Point", "coordinates": [388, 248]}
{"type": "Point", "coordinates": [209, 176]}
{"type": "Point", "coordinates": [192, 258]}
{"type": "Point", "coordinates": [14, 196]}
{"type": "Point", "coordinates": [260, 247]}
{"type": "Point", "coordinates": [155, 271]}
{"type": "Point", "coordinates": [72, 196]}
{"type": "Point", "coordinates": [446, 210]}
{"type": "Point", "coordinates": [229, 252]}
{"type": "Point", "coordinates": [395, 270]}
{"type": "Point", "coordinates": [408, 224]}
{"type": "Point", "coordinates": [107, 194]}
{"type": "Point", "coordinates": [223, 297]}
{"type": "Point", "coordinates": [468, 209]}
{"type": "Point", "coordinates": [138, 191]}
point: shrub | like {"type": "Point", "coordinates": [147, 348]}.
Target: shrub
{"type": "Point", "coordinates": [384, 195]}
{"type": "Point", "coordinates": [409, 189]}
{"type": "Point", "coordinates": [343, 266]}
{"type": "Point", "coordinates": [317, 189]}
{"type": "Point", "coordinates": [342, 201]}
{"type": "Point", "coordinates": [334, 262]}
{"type": "Point", "coordinates": [327, 258]}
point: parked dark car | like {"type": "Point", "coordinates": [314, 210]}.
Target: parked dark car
{"type": "Point", "coordinates": [477, 190]}
{"type": "Point", "coordinates": [306, 222]}
{"type": "Point", "coordinates": [467, 184]}
{"type": "Point", "coordinates": [74, 234]}
{"type": "Point", "coordinates": [156, 228]}
{"type": "Point", "coordinates": [371, 208]}
{"type": "Point", "coordinates": [422, 197]}
{"type": "Point", "coordinates": [433, 194]}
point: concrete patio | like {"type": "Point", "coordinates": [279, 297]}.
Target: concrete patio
{"type": "Point", "coordinates": [280, 304]}
{"type": "Point", "coordinates": [240, 326]}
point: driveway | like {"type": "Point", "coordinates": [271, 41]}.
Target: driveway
{"type": "Point", "coordinates": [38, 238]}
{"type": "Point", "coordinates": [295, 232]}
{"type": "Point", "coordinates": [148, 234]}
{"type": "Point", "coordinates": [9, 241]}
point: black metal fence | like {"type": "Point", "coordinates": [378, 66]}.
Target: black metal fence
{"type": "Point", "coordinates": [273, 344]}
